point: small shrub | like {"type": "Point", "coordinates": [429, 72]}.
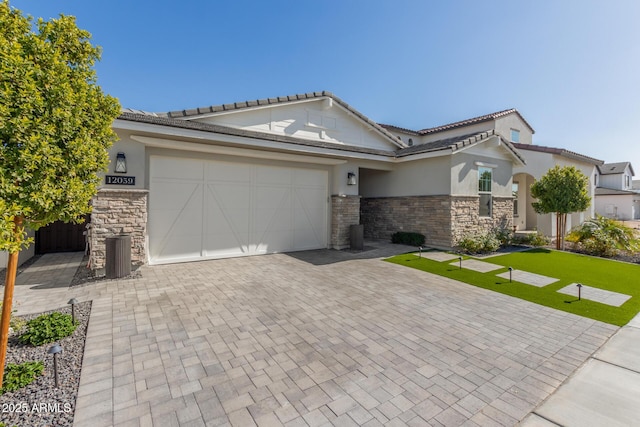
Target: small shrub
{"type": "Point", "coordinates": [479, 243]}
{"type": "Point", "coordinates": [603, 237]}
{"type": "Point", "coordinates": [18, 376]}
{"type": "Point", "coordinates": [408, 238]}
{"type": "Point", "coordinates": [15, 323]}
{"type": "Point", "coordinates": [538, 239]}
{"type": "Point", "coordinates": [48, 328]}
{"type": "Point", "coordinates": [504, 236]}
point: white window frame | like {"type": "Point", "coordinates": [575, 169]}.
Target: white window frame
{"type": "Point", "coordinates": [515, 132]}
{"type": "Point", "coordinates": [482, 168]}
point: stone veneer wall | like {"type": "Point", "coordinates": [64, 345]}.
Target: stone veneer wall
{"type": "Point", "coordinates": [345, 211]}
{"type": "Point", "coordinates": [428, 215]}
{"type": "Point", "coordinates": [118, 211]}
{"type": "Point", "coordinates": [442, 219]}
{"type": "Point", "coordinates": [466, 219]}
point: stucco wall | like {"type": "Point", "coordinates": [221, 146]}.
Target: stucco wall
{"type": "Point", "coordinates": [504, 125]}
{"type": "Point", "coordinates": [616, 206]}
{"type": "Point", "coordinates": [464, 174]}
{"type": "Point", "coordinates": [420, 177]}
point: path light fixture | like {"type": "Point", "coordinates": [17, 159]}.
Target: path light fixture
{"type": "Point", "coordinates": [510, 273]}
{"type": "Point", "coordinates": [121, 163]}
{"type": "Point", "coordinates": [55, 349]}
{"type": "Point", "coordinates": [460, 261]}
{"type": "Point", "coordinates": [420, 249]}
{"type": "Point", "coordinates": [73, 303]}
{"type": "Point", "coordinates": [579, 285]}
{"type": "Point", "coordinates": [351, 178]}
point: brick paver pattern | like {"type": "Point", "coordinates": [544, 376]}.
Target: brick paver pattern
{"type": "Point", "coordinates": [318, 339]}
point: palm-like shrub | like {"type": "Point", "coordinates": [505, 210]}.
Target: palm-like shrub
{"type": "Point", "coordinates": [604, 237]}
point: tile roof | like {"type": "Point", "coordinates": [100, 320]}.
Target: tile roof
{"type": "Point", "coordinates": [399, 129]}
{"type": "Point", "coordinates": [474, 120]}
{"type": "Point", "coordinates": [208, 127]}
{"type": "Point", "coordinates": [281, 100]}
{"type": "Point", "coordinates": [452, 144]}
{"type": "Point", "coordinates": [601, 191]}
{"type": "Point", "coordinates": [614, 168]}
{"type": "Point", "coordinates": [457, 143]}
{"type": "Point", "coordinates": [558, 151]}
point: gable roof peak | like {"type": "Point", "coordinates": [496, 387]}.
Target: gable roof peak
{"type": "Point", "coordinates": [474, 120]}
{"type": "Point", "coordinates": [615, 168]}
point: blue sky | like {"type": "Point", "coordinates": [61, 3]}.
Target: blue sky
{"type": "Point", "coordinates": [572, 68]}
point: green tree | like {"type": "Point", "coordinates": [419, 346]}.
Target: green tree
{"type": "Point", "coordinates": [562, 190]}
{"type": "Point", "coordinates": [55, 130]}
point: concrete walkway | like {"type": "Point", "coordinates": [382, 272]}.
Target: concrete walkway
{"type": "Point", "coordinates": [328, 338]}
{"type": "Point", "coordinates": [605, 391]}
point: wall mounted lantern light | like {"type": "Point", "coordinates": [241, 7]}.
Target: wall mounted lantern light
{"type": "Point", "coordinates": [351, 179]}
{"type": "Point", "coordinates": [121, 163]}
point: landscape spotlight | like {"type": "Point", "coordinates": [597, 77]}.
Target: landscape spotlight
{"type": "Point", "coordinates": [55, 349]}
{"type": "Point", "coordinates": [73, 303]}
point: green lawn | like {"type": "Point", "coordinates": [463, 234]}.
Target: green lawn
{"type": "Point", "coordinates": [569, 268]}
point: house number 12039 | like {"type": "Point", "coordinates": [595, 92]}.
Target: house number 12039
{"type": "Point", "coordinates": [120, 180]}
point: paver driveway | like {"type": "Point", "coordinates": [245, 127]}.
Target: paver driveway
{"type": "Point", "coordinates": [319, 338]}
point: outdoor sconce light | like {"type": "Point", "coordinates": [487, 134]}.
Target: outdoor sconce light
{"type": "Point", "coordinates": [55, 349]}
{"type": "Point", "coordinates": [351, 179]}
{"type": "Point", "coordinates": [73, 303]}
{"type": "Point", "coordinates": [121, 163]}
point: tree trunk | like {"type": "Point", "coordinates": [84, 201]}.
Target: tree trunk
{"type": "Point", "coordinates": [558, 230]}
{"type": "Point", "coordinates": [9, 284]}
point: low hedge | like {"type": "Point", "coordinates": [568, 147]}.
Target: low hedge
{"type": "Point", "coordinates": [408, 238]}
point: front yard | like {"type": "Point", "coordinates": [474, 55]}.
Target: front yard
{"type": "Point", "coordinates": [567, 268]}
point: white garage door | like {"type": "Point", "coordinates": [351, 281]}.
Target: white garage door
{"type": "Point", "coordinates": [201, 209]}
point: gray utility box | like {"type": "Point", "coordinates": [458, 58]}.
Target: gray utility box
{"type": "Point", "coordinates": [356, 235]}
{"type": "Point", "coordinates": [118, 262]}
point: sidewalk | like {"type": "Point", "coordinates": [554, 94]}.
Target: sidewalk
{"type": "Point", "coordinates": [605, 391]}
{"type": "Point", "coordinates": [44, 285]}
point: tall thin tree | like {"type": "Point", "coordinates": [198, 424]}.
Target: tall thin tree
{"type": "Point", "coordinates": [55, 130]}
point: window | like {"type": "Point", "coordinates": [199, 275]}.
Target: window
{"type": "Point", "coordinates": [627, 181]}
{"type": "Point", "coordinates": [515, 135]}
{"type": "Point", "coordinates": [484, 189]}
{"type": "Point", "coordinates": [514, 192]}
{"type": "Point", "coordinates": [410, 142]}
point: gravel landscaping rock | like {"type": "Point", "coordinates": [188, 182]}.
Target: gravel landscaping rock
{"type": "Point", "coordinates": [41, 403]}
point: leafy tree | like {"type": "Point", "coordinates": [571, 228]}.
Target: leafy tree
{"type": "Point", "coordinates": [562, 190]}
{"type": "Point", "coordinates": [604, 237]}
{"type": "Point", "coordinates": [55, 130]}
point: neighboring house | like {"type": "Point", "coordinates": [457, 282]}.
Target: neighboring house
{"type": "Point", "coordinates": [615, 196]}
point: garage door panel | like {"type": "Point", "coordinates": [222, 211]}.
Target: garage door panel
{"type": "Point", "coordinates": [178, 169]}
{"type": "Point", "coordinates": [212, 209]}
